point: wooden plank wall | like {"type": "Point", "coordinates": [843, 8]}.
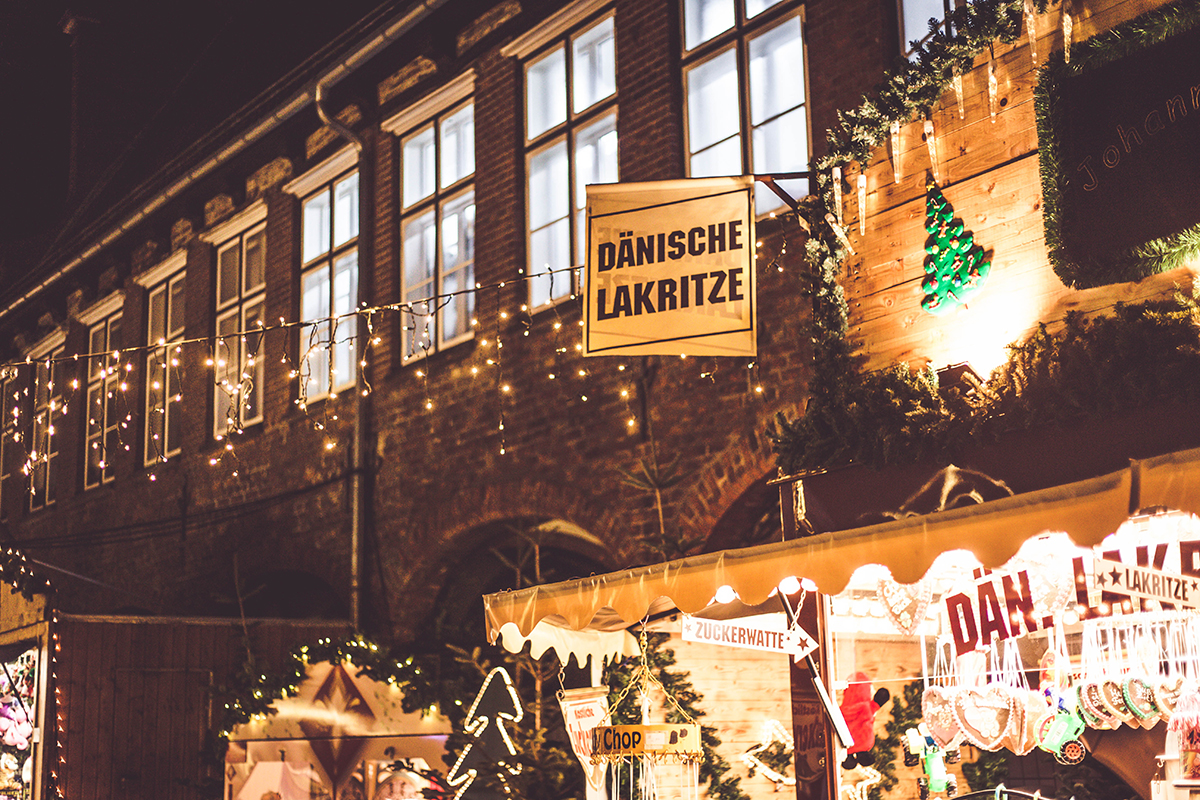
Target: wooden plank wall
{"type": "Point", "coordinates": [134, 699]}
{"type": "Point", "coordinates": [989, 174]}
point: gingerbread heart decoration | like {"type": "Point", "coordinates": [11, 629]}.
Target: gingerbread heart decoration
{"type": "Point", "coordinates": [1096, 715]}
{"type": "Point", "coordinates": [937, 711]}
{"type": "Point", "coordinates": [1166, 695]}
{"type": "Point", "coordinates": [986, 715]}
{"type": "Point", "coordinates": [905, 603]}
{"type": "Point", "coordinates": [1139, 697]}
{"type": "Point", "coordinates": [1033, 710]}
{"type": "Point", "coordinates": [1112, 697]}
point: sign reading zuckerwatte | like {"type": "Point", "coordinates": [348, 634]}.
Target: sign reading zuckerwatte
{"type": "Point", "coordinates": [670, 268]}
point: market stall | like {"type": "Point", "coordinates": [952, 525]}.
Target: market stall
{"type": "Point", "coordinates": [1060, 620]}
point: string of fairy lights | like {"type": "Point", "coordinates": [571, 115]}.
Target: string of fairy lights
{"type": "Point", "coordinates": [237, 362]}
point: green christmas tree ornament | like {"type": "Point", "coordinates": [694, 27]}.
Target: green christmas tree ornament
{"type": "Point", "coordinates": [955, 268]}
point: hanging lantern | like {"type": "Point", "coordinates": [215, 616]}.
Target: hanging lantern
{"type": "Point", "coordinates": [651, 760]}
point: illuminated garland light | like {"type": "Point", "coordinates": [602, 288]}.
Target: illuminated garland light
{"type": "Point", "coordinates": [239, 387]}
{"type": "Point", "coordinates": [773, 733]}
{"type": "Point", "coordinates": [477, 724]}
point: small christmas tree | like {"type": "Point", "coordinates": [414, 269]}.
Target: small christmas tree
{"type": "Point", "coordinates": [955, 268]}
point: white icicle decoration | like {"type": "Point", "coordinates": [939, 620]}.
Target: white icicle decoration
{"type": "Point", "coordinates": [1029, 17]}
{"type": "Point", "coordinates": [837, 194]}
{"type": "Point", "coordinates": [958, 94]}
{"type": "Point", "coordinates": [1067, 25]}
{"type": "Point", "coordinates": [993, 85]}
{"type": "Point", "coordinates": [862, 204]}
{"type": "Point", "coordinates": [931, 144]}
{"type": "Point", "coordinates": [896, 171]}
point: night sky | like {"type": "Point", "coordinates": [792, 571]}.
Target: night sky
{"type": "Point", "coordinates": [155, 75]}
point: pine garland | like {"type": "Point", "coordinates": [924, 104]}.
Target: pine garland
{"type": "Point", "coordinates": [1144, 353]}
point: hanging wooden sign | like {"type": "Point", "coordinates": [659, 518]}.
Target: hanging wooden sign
{"type": "Point", "coordinates": [670, 268]}
{"type": "Point", "coordinates": [1120, 133]}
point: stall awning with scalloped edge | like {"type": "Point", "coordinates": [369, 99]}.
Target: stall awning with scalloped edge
{"type": "Point", "coordinates": [1087, 511]}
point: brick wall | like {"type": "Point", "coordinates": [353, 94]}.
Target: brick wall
{"type": "Point", "coordinates": [193, 538]}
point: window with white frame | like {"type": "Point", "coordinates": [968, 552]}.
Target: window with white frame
{"type": "Point", "coordinates": [164, 333]}
{"type": "Point", "coordinates": [914, 17]}
{"type": "Point", "coordinates": [105, 382]}
{"type": "Point", "coordinates": [10, 436]}
{"type": "Point", "coordinates": [744, 89]}
{"type": "Point", "coordinates": [238, 358]}
{"type": "Point", "coordinates": [41, 466]}
{"type": "Point", "coordinates": [570, 142]}
{"type": "Point", "coordinates": [437, 231]}
{"type": "Point", "coordinates": [329, 288]}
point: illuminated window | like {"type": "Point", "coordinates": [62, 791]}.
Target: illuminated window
{"type": "Point", "coordinates": [914, 17]}
{"type": "Point", "coordinates": [437, 231]}
{"type": "Point", "coordinates": [745, 92]}
{"type": "Point", "coordinates": [570, 142]}
{"type": "Point", "coordinates": [41, 467]}
{"type": "Point", "coordinates": [105, 384]}
{"type": "Point", "coordinates": [329, 288]}
{"type": "Point", "coordinates": [10, 436]}
{"type": "Point", "coordinates": [238, 358]}
{"type": "Point", "coordinates": [164, 332]}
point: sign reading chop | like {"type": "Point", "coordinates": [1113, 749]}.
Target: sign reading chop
{"type": "Point", "coordinates": [638, 740]}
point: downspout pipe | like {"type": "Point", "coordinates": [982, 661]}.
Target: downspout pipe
{"type": "Point", "coordinates": [390, 32]}
{"type": "Point", "coordinates": [358, 447]}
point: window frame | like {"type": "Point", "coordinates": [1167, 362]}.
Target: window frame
{"type": "Point", "coordinates": [738, 38]}
{"type": "Point", "coordinates": [158, 445]}
{"type": "Point", "coordinates": [565, 132]}
{"type": "Point", "coordinates": [237, 306]}
{"type": "Point", "coordinates": [104, 380]}
{"type": "Point", "coordinates": [10, 401]}
{"type": "Point", "coordinates": [327, 261]}
{"type": "Point", "coordinates": [906, 38]}
{"type": "Point", "coordinates": [435, 202]}
{"type": "Point", "coordinates": [48, 409]}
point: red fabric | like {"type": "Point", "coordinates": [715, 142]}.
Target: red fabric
{"type": "Point", "coordinates": [859, 710]}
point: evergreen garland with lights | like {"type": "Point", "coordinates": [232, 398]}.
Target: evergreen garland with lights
{"type": "Point", "coordinates": [1144, 353]}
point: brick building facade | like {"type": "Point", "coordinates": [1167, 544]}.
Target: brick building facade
{"type": "Point", "coordinates": [182, 525]}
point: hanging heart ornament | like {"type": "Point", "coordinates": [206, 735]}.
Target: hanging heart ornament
{"type": "Point", "coordinates": [937, 712]}
{"type": "Point", "coordinates": [1050, 583]}
{"type": "Point", "coordinates": [986, 715]}
{"type": "Point", "coordinates": [905, 603]}
{"type": "Point", "coordinates": [1166, 695]}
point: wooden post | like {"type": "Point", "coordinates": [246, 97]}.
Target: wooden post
{"type": "Point", "coordinates": [814, 753]}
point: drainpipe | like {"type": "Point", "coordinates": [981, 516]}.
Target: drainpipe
{"type": "Point", "coordinates": [358, 446]}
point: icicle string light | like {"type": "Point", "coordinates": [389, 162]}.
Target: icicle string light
{"type": "Point", "coordinates": [931, 145]}
{"type": "Point", "coordinates": [897, 173]}
{"type": "Point", "coordinates": [1068, 26]}
{"type": "Point", "coordinates": [1031, 30]}
{"type": "Point", "coordinates": [993, 85]}
{"type": "Point", "coordinates": [837, 194]}
{"type": "Point", "coordinates": [862, 204]}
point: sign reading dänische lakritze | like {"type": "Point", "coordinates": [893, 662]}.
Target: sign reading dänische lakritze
{"type": "Point", "coordinates": [670, 268]}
